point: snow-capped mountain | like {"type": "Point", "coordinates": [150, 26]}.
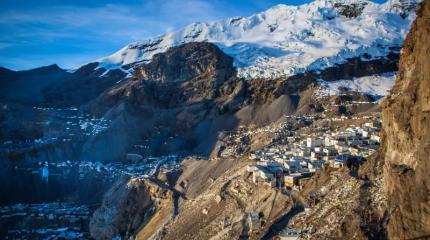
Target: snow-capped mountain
{"type": "Point", "coordinates": [286, 40]}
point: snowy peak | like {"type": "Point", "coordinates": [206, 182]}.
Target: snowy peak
{"type": "Point", "coordinates": [286, 40]}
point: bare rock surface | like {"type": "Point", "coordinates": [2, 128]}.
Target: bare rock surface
{"type": "Point", "coordinates": [406, 119]}
{"type": "Point", "coordinates": [126, 206]}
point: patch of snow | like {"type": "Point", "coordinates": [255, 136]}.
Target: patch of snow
{"type": "Point", "coordinates": [105, 73]}
{"type": "Point", "coordinates": [376, 85]}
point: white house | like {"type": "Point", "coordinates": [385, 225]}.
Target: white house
{"type": "Point", "coordinates": [314, 142]}
{"type": "Point", "coordinates": [365, 133]}
{"type": "Point", "coordinates": [376, 137]}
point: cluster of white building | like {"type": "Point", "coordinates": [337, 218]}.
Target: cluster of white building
{"type": "Point", "coordinates": [288, 164]}
{"type": "Point", "coordinates": [236, 142]}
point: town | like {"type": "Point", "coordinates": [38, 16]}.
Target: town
{"type": "Point", "coordinates": [289, 164]}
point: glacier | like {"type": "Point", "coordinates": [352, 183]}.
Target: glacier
{"type": "Point", "coordinates": [374, 85]}
{"type": "Point", "coordinates": [286, 40]}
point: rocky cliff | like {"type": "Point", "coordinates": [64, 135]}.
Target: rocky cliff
{"type": "Point", "coordinates": [406, 119]}
{"type": "Point", "coordinates": [126, 206]}
{"type": "Point", "coordinates": [178, 64]}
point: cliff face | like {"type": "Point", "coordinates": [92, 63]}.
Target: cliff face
{"type": "Point", "coordinates": [406, 119]}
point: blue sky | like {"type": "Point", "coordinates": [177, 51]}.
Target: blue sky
{"type": "Point", "coordinates": [73, 32]}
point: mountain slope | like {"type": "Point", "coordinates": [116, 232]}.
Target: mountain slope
{"type": "Point", "coordinates": [286, 40]}
{"type": "Point", "coordinates": [202, 98]}
{"type": "Point", "coordinates": [27, 85]}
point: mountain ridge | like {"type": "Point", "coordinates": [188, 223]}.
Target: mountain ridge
{"type": "Point", "coordinates": [286, 40]}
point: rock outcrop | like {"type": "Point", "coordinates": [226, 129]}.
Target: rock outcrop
{"type": "Point", "coordinates": [406, 120]}
{"type": "Point", "coordinates": [178, 65]}
{"type": "Point", "coordinates": [344, 205]}
{"type": "Point", "coordinates": [126, 207]}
